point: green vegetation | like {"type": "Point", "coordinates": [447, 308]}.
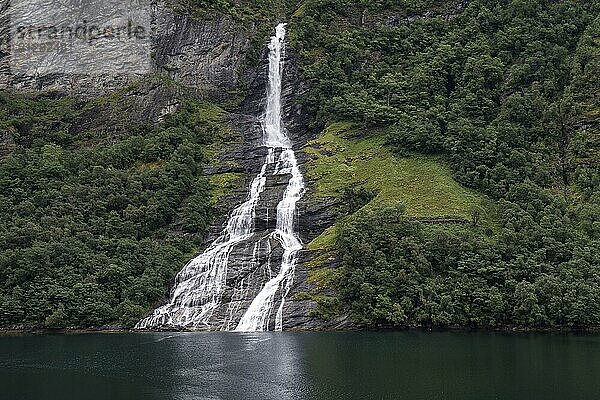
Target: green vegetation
{"type": "Point", "coordinates": [532, 275]}
{"type": "Point", "coordinates": [224, 184]}
{"type": "Point", "coordinates": [504, 95]}
{"type": "Point", "coordinates": [97, 219]}
{"type": "Point", "coordinates": [257, 11]}
{"type": "Point", "coordinates": [345, 157]}
{"type": "Point", "coordinates": [211, 117]}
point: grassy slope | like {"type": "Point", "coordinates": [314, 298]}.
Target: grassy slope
{"type": "Point", "coordinates": [343, 156]}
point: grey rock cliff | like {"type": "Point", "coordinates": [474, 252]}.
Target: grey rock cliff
{"type": "Point", "coordinates": [207, 55]}
{"type": "Point", "coordinates": [41, 47]}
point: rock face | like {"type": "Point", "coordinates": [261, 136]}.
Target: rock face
{"type": "Point", "coordinates": [206, 55]}
{"type": "Point", "coordinates": [100, 45]}
{"type": "Point", "coordinates": [86, 46]}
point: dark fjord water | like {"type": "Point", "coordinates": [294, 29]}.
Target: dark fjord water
{"type": "Point", "coordinates": [402, 365]}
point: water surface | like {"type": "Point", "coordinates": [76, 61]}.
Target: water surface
{"type": "Point", "coordinates": [353, 365]}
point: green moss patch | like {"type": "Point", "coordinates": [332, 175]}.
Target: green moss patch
{"type": "Point", "coordinates": [224, 184]}
{"type": "Point", "coordinates": [345, 157]}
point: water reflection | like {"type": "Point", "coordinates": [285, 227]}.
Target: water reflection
{"type": "Point", "coordinates": [229, 365]}
{"type": "Point", "coordinates": [405, 365]}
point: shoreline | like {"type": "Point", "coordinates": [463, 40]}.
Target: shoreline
{"type": "Point", "coordinates": [516, 330]}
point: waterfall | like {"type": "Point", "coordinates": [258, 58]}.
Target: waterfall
{"type": "Point", "coordinates": [200, 284]}
{"type": "Point", "coordinates": [256, 317]}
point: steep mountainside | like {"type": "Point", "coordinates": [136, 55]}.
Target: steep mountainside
{"type": "Point", "coordinates": [450, 151]}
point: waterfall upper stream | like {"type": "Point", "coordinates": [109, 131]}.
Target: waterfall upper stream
{"type": "Point", "coordinates": [256, 300]}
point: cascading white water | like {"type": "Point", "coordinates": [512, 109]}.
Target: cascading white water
{"type": "Point", "coordinates": [257, 316]}
{"type": "Point", "coordinates": [200, 284]}
{"type": "Point", "coordinates": [275, 135]}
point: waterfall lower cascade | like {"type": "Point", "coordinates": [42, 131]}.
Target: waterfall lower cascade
{"type": "Point", "coordinates": [256, 302]}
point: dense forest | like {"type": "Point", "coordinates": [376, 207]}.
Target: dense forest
{"type": "Point", "coordinates": [96, 222]}
{"type": "Point", "coordinates": [507, 92]}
